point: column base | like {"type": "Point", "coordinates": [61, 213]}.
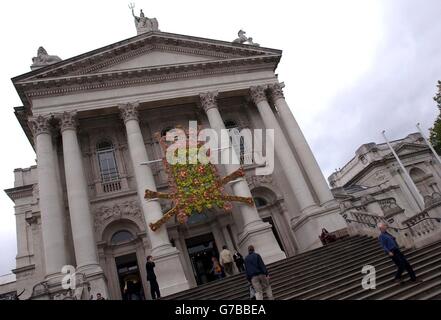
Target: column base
{"type": "Point", "coordinates": [95, 281]}
{"type": "Point", "coordinates": [307, 228]}
{"type": "Point", "coordinates": [261, 236]}
{"type": "Point", "coordinates": [169, 270]}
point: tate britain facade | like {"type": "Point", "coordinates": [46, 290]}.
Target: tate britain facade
{"type": "Point", "coordinates": [93, 121]}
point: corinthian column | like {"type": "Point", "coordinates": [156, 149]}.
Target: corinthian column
{"type": "Point", "coordinates": [169, 270]}
{"type": "Point", "coordinates": [290, 167]}
{"type": "Point", "coordinates": [301, 146]}
{"type": "Point", "coordinates": [255, 231]}
{"type": "Point", "coordinates": [79, 206]}
{"type": "Point", "coordinates": [53, 216]}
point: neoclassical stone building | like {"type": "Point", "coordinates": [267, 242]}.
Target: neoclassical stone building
{"type": "Point", "coordinates": [91, 120]}
{"type": "Point", "coordinates": [373, 188]}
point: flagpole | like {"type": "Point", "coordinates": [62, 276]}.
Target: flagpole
{"type": "Point", "coordinates": [428, 143]}
{"type": "Point", "coordinates": [411, 185]}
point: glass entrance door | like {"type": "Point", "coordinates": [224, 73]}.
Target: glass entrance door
{"type": "Point", "coordinates": [129, 277]}
{"type": "Point", "coordinates": [201, 249]}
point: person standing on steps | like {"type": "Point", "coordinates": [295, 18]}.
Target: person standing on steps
{"type": "Point", "coordinates": [238, 259]}
{"type": "Point", "coordinates": [226, 261]}
{"type": "Point", "coordinates": [151, 277]}
{"type": "Point", "coordinates": [257, 274]}
{"type": "Point", "coordinates": [390, 246]}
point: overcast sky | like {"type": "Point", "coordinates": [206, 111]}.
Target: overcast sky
{"type": "Point", "coordinates": [351, 68]}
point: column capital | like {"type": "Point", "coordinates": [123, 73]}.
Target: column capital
{"type": "Point", "coordinates": [68, 120]}
{"type": "Point", "coordinates": [208, 100]}
{"type": "Point", "coordinates": [276, 91]}
{"type": "Point", "coordinates": [129, 111]}
{"type": "Point", "coordinates": [257, 93]}
{"type": "Point", "coordinates": [40, 124]}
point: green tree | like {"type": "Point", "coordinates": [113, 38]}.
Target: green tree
{"type": "Point", "coordinates": [435, 131]}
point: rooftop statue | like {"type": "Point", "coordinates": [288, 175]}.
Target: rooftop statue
{"type": "Point", "coordinates": [43, 59]}
{"type": "Point", "coordinates": [142, 23]}
{"type": "Point", "coordinates": [243, 39]}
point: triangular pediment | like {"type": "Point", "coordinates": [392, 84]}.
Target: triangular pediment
{"type": "Point", "coordinates": [149, 50]}
{"type": "Point", "coordinates": [156, 58]}
{"type": "Point", "coordinates": [408, 148]}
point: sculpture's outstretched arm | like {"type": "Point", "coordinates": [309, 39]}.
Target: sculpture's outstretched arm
{"type": "Point", "coordinates": [233, 176]}
{"type": "Point", "coordinates": [170, 213]}
{"type": "Point", "coordinates": [155, 194]}
{"type": "Point", "coordinates": [246, 200]}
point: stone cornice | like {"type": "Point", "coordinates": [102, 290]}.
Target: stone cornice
{"type": "Point", "coordinates": [166, 41]}
{"type": "Point", "coordinates": [140, 76]}
{"type": "Point", "coordinates": [20, 192]}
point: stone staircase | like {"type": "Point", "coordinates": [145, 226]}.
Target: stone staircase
{"type": "Point", "coordinates": [334, 272]}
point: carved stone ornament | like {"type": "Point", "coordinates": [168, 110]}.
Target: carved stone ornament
{"type": "Point", "coordinates": [257, 94]}
{"type": "Point", "coordinates": [129, 111]}
{"type": "Point", "coordinates": [43, 59]}
{"type": "Point", "coordinates": [243, 39]}
{"type": "Point", "coordinates": [208, 100]}
{"type": "Point", "coordinates": [276, 91]}
{"type": "Point", "coordinates": [256, 181]}
{"type": "Point", "coordinates": [142, 23]}
{"type": "Point", "coordinates": [68, 121]}
{"type": "Point", "coordinates": [39, 124]}
{"type": "Point", "coordinates": [127, 209]}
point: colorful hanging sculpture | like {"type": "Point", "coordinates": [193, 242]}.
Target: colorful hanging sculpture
{"type": "Point", "coordinates": [194, 186]}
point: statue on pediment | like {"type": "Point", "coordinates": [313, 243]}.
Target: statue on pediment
{"type": "Point", "coordinates": [243, 39]}
{"type": "Point", "coordinates": [43, 59]}
{"type": "Point", "coordinates": [142, 23]}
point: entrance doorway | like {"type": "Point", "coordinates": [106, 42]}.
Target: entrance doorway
{"type": "Point", "coordinates": [269, 219]}
{"type": "Point", "coordinates": [129, 277]}
{"type": "Point", "coordinates": [201, 249]}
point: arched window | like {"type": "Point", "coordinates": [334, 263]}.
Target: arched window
{"type": "Point", "coordinates": [122, 236]}
{"type": "Point", "coordinates": [107, 161]}
{"type": "Point", "coordinates": [260, 202]}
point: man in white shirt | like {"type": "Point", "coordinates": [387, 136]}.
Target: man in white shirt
{"type": "Point", "coordinates": [226, 260]}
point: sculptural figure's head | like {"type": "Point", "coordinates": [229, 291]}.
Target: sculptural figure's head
{"type": "Point", "coordinates": [241, 33]}
{"type": "Point", "coordinates": [41, 52]}
{"type": "Point", "coordinates": [141, 14]}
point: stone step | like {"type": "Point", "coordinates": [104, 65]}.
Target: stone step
{"type": "Point", "coordinates": [334, 272]}
{"type": "Point", "coordinates": [383, 270]}
{"type": "Point", "coordinates": [283, 278]}
{"type": "Point", "coordinates": [297, 261]}
{"type": "Point", "coordinates": [280, 274]}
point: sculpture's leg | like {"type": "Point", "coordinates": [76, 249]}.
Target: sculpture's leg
{"type": "Point", "coordinates": [232, 176]}
{"type": "Point", "coordinates": [155, 194]}
{"type": "Point", "coordinates": [247, 200]}
{"type": "Point", "coordinates": [155, 226]}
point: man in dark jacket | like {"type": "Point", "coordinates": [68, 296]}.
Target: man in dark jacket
{"type": "Point", "coordinates": [390, 246]}
{"type": "Point", "coordinates": [257, 274]}
{"type": "Point", "coordinates": [151, 277]}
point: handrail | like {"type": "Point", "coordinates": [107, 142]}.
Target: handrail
{"type": "Point", "coordinates": [398, 229]}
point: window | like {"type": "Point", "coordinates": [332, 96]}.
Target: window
{"type": "Point", "coordinates": [237, 140]}
{"type": "Point", "coordinates": [107, 161]}
{"type": "Point", "coordinates": [122, 236]}
{"type": "Point", "coordinates": [260, 202]}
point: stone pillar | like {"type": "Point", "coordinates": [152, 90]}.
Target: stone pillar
{"type": "Point", "coordinates": [301, 146]}
{"type": "Point", "coordinates": [53, 215]}
{"type": "Point", "coordinates": [255, 231]}
{"type": "Point", "coordinates": [290, 167]}
{"type": "Point", "coordinates": [86, 253]}
{"type": "Point", "coordinates": [169, 270]}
